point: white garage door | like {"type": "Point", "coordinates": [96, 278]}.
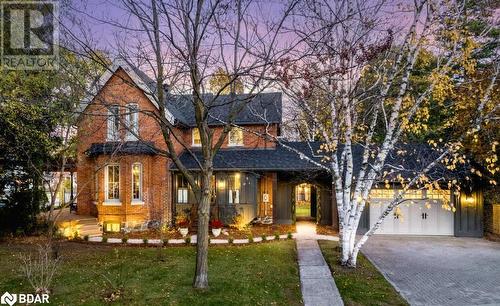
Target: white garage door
{"type": "Point", "coordinates": [415, 218]}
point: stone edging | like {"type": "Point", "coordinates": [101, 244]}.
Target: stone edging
{"type": "Point", "coordinates": [179, 241]}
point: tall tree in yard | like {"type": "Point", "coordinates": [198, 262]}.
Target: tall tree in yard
{"type": "Point", "coordinates": [365, 65]}
{"type": "Point", "coordinates": [181, 43]}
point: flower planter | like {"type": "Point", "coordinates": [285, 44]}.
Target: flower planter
{"type": "Point", "coordinates": [184, 231]}
{"type": "Point", "coordinates": [216, 232]}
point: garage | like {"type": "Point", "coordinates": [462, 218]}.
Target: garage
{"type": "Point", "coordinates": [414, 216]}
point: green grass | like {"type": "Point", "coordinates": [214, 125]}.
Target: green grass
{"type": "Point", "coordinates": [261, 274]}
{"type": "Point", "coordinates": [363, 285]}
{"type": "Point", "coordinates": [303, 211]}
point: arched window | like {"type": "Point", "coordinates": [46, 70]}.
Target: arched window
{"type": "Point", "coordinates": [112, 183]}
{"type": "Point", "coordinates": [137, 182]}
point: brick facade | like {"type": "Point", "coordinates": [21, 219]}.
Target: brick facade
{"type": "Point", "coordinates": [156, 178]}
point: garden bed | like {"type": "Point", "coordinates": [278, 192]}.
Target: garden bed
{"type": "Point", "coordinates": [253, 231]}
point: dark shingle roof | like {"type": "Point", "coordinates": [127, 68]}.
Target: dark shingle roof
{"type": "Point", "coordinates": [259, 108]}
{"type": "Point", "coordinates": [288, 157]}
{"type": "Point", "coordinates": [121, 148]}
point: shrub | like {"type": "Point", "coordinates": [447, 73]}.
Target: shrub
{"type": "Point", "coordinates": [40, 270]}
{"type": "Point", "coordinates": [238, 222]}
{"type": "Point", "coordinates": [86, 237]}
{"type": "Point", "coordinates": [276, 236]}
{"type": "Point", "coordinates": [182, 220]}
{"type": "Point", "coordinates": [165, 241]}
{"type": "Point", "coordinates": [216, 223]}
{"type": "Point", "coordinates": [264, 238]}
{"type": "Point", "coordinates": [188, 240]}
{"type": "Point", "coordinates": [124, 239]}
{"type": "Point", "coordinates": [289, 235]}
{"type": "Point", "coordinates": [230, 240]}
{"type": "Point", "coordinates": [104, 239]}
{"type": "Point", "coordinates": [250, 239]}
{"type": "Point", "coordinates": [145, 241]}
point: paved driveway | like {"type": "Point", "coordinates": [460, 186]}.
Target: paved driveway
{"type": "Point", "coordinates": [439, 270]}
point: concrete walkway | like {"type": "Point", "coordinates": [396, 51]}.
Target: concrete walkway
{"type": "Point", "coordinates": [316, 281]}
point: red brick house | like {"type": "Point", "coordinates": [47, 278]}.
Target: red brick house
{"type": "Point", "coordinates": [127, 183]}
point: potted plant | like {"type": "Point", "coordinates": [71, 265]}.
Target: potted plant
{"type": "Point", "coordinates": [216, 226]}
{"type": "Point", "coordinates": [183, 225]}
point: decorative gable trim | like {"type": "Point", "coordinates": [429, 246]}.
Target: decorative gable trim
{"type": "Point", "coordinates": [99, 84]}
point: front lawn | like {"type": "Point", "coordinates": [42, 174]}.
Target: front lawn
{"type": "Point", "coordinates": [263, 274]}
{"type": "Point", "coordinates": [363, 285]}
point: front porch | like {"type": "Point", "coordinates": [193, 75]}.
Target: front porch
{"type": "Point", "coordinates": [280, 197]}
{"type": "Point", "coordinates": [71, 224]}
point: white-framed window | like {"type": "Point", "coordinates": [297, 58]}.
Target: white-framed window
{"type": "Point", "coordinates": [137, 182]}
{"type": "Point", "coordinates": [235, 137]}
{"type": "Point", "coordinates": [196, 137]}
{"type": "Point", "coordinates": [132, 121]}
{"type": "Point", "coordinates": [112, 183]}
{"type": "Point", "coordinates": [114, 123]}
{"type": "Point", "coordinates": [234, 188]}
{"type": "Point", "coordinates": [182, 190]}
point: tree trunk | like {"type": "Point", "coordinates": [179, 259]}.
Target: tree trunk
{"type": "Point", "coordinates": [201, 274]}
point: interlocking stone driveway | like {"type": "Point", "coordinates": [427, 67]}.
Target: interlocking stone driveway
{"type": "Point", "coordinates": [439, 270]}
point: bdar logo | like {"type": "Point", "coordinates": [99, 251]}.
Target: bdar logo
{"type": "Point", "coordinates": [8, 298]}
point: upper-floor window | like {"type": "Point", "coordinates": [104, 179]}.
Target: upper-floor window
{"type": "Point", "coordinates": [112, 183]}
{"type": "Point", "coordinates": [114, 123]}
{"type": "Point", "coordinates": [235, 137]}
{"type": "Point", "coordinates": [132, 121]}
{"type": "Point", "coordinates": [196, 137]}
{"type": "Point", "coordinates": [137, 182]}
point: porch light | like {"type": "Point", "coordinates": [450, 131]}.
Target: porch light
{"type": "Point", "coordinates": [221, 184]}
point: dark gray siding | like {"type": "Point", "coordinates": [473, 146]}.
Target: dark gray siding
{"type": "Point", "coordinates": [283, 203]}
{"type": "Point", "coordinates": [469, 215]}
{"type": "Point", "coordinates": [325, 200]}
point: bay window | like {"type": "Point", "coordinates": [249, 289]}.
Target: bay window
{"type": "Point", "coordinates": [136, 182]}
{"type": "Point", "coordinates": [112, 183]}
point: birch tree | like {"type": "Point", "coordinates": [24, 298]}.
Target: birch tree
{"type": "Point", "coordinates": [361, 64]}
{"type": "Point", "coordinates": [182, 43]}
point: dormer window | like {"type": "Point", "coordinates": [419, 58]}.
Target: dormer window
{"type": "Point", "coordinates": [235, 137]}
{"type": "Point", "coordinates": [196, 138]}
{"type": "Point", "coordinates": [114, 123]}
{"type": "Point", "coordinates": [132, 121]}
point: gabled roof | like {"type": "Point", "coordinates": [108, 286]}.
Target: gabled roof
{"type": "Point", "coordinates": [140, 79]}
{"type": "Point", "coordinates": [258, 108]}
